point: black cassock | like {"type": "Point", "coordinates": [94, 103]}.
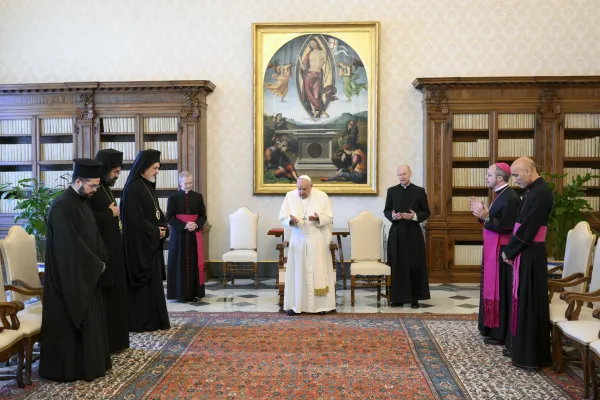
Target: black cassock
{"type": "Point", "coordinates": [406, 245]}
{"type": "Point", "coordinates": [114, 279]}
{"type": "Point", "coordinates": [531, 345]}
{"type": "Point", "coordinates": [144, 256]}
{"type": "Point", "coordinates": [502, 216]}
{"type": "Point", "coordinates": [74, 339]}
{"type": "Point", "coordinates": [183, 279]}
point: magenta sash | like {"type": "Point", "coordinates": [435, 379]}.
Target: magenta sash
{"type": "Point", "coordinates": [491, 276]}
{"type": "Point", "coordinates": [540, 236]}
{"type": "Point", "coordinates": [199, 247]}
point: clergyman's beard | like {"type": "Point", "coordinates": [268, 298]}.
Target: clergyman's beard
{"type": "Point", "coordinates": [111, 181]}
{"type": "Point", "coordinates": [83, 194]}
{"type": "Point", "coordinates": [152, 179]}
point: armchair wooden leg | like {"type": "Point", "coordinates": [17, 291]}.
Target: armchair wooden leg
{"type": "Point", "coordinates": [256, 275]}
{"type": "Point", "coordinates": [352, 286]}
{"type": "Point", "coordinates": [20, 356]}
{"type": "Point", "coordinates": [29, 342]}
{"type": "Point", "coordinates": [224, 274]}
{"type": "Point", "coordinates": [593, 376]}
{"type": "Point", "coordinates": [557, 350]}
{"type": "Point", "coordinates": [378, 290]}
{"type": "Point", "coordinates": [387, 288]}
{"type": "Point", "coordinates": [585, 353]}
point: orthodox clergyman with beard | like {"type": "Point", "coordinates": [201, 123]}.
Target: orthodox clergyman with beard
{"type": "Point", "coordinates": [74, 338]}
{"type": "Point", "coordinates": [144, 233]}
{"type": "Point", "coordinates": [114, 280]}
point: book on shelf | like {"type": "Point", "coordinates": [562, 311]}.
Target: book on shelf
{"type": "Point", "coordinates": [57, 126]}
{"type": "Point", "coordinates": [515, 148]}
{"type": "Point", "coordinates": [465, 122]}
{"type": "Point", "coordinates": [471, 177]}
{"type": "Point", "coordinates": [582, 121]}
{"type": "Point", "coordinates": [15, 152]}
{"type": "Point", "coordinates": [54, 179]}
{"type": "Point", "coordinates": [118, 125]}
{"type": "Point", "coordinates": [167, 179]}
{"type": "Point", "coordinates": [7, 206]}
{"type": "Point", "coordinates": [168, 150]}
{"type": "Point", "coordinates": [588, 147]}
{"type": "Point", "coordinates": [573, 172]}
{"type": "Point", "coordinates": [160, 124]}
{"type": "Point", "coordinates": [56, 151]}
{"type": "Point", "coordinates": [15, 127]}
{"type": "Point", "coordinates": [127, 148]}
{"type": "Point", "coordinates": [476, 148]}
{"type": "Point", "coordinates": [516, 121]}
{"type": "Point", "coordinates": [467, 254]}
{"type": "Point", "coordinates": [461, 203]}
{"type": "Point", "coordinates": [594, 202]}
{"type": "Point", "coordinates": [13, 177]}
{"type": "Point", "coordinates": [120, 183]}
{"type": "Point", "coordinates": [162, 203]}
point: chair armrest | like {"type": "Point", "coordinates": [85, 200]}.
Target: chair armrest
{"type": "Point", "coordinates": [573, 297]}
{"type": "Point", "coordinates": [20, 283]}
{"type": "Point", "coordinates": [27, 291]}
{"type": "Point", "coordinates": [575, 282]}
{"type": "Point", "coordinates": [568, 278]}
{"type": "Point", "coordinates": [10, 309]}
{"type": "Point", "coordinates": [333, 246]}
{"type": "Point", "coordinates": [554, 269]}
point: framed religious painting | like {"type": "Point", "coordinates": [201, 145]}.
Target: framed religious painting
{"type": "Point", "coordinates": [315, 106]}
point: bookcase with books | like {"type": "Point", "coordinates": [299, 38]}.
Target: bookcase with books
{"type": "Point", "coordinates": [44, 126]}
{"type": "Point", "coordinates": [470, 123]}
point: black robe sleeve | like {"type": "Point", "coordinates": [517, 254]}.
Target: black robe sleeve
{"type": "Point", "coordinates": [389, 205]}
{"type": "Point", "coordinates": [422, 211]}
{"type": "Point", "coordinates": [77, 268]}
{"type": "Point", "coordinates": [503, 220]}
{"type": "Point", "coordinates": [533, 215]}
{"type": "Point", "coordinates": [201, 220]}
{"type": "Point", "coordinates": [172, 211]}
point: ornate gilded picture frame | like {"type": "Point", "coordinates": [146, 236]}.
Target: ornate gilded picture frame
{"type": "Point", "coordinates": [316, 106]}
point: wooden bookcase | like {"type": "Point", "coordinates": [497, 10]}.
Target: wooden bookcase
{"type": "Point", "coordinates": [44, 126]}
{"type": "Point", "coordinates": [470, 123]}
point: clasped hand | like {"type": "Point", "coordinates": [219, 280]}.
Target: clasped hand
{"type": "Point", "coordinates": [294, 220]}
{"type": "Point", "coordinates": [478, 208]}
{"type": "Point", "coordinates": [191, 226]}
{"type": "Point", "coordinates": [506, 260]}
{"type": "Point", "coordinates": [406, 216]}
{"type": "Point", "coordinates": [163, 232]}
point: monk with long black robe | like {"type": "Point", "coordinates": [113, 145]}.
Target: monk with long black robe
{"type": "Point", "coordinates": [406, 207]}
{"type": "Point", "coordinates": [529, 331]}
{"type": "Point", "coordinates": [496, 276]}
{"type": "Point", "coordinates": [114, 279]}
{"type": "Point", "coordinates": [186, 215]}
{"type": "Point", "coordinates": [74, 342]}
{"type": "Point", "coordinates": [144, 233]}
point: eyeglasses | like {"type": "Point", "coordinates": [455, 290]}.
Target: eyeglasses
{"type": "Point", "coordinates": [92, 186]}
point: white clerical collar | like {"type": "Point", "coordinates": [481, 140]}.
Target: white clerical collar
{"type": "Point", "coordinates": [406, 185]}
{"type": "Point", "coordinates": [500, 188]}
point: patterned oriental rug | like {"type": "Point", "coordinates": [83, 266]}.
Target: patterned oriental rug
{"type": "Point", "coordinates": [337, 356]}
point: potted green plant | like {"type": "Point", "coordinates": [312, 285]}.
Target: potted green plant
{"type": "Point", "coordinates": [33, 204]}
{"type": "Point", "coordinates": [569, 209]}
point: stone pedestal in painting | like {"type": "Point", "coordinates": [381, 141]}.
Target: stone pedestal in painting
{"type": "Point", "coordinates": [315, 152]}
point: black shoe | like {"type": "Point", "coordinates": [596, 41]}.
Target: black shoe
{"type": "Point", "coordinates": [291, 312]}
{"type": "Point", "coordinates": [493, 342]}
{"type": "Point", "coordinates": [415, 304]}
{"type": "Point", "coordinates": [396, 304]}
{"type": "Point", "coordinates": [505, 353]}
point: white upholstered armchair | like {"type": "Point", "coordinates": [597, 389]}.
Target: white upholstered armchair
{"type": "Point", "coordinates": [366, 268]}
{"type": "Point", "coordinates": [243, 238]}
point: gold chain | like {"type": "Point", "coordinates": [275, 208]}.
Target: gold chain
{"type": "Point", "coordinates": [154, 200]}
{"type": "Point", "coordinates": [112, 198]}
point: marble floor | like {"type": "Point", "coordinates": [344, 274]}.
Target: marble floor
{"type": "Point", "coordinates": [456, 298]}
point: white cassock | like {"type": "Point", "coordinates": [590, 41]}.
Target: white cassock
{"type": "Point", "coordinates": [309, 275]}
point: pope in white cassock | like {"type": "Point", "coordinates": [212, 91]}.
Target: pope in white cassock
{"type": "Point", "coordinates": [309, 276]}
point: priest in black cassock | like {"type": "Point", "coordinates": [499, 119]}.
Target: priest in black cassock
{"type": "Point", "coordinates": [186, 215]}
{"type": "Point", "coordinates": [144, 233]}
{"type": "Point", "coordinates": [114, 279]}
{"type": "Point", "coordinates": [529, 326]}
{"type": "Point", "coordinates": [74, 342]}
{"type": "Point", "coordinates": [496, 276]}
{"type": "Point", "coordinates": [406, 207]}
